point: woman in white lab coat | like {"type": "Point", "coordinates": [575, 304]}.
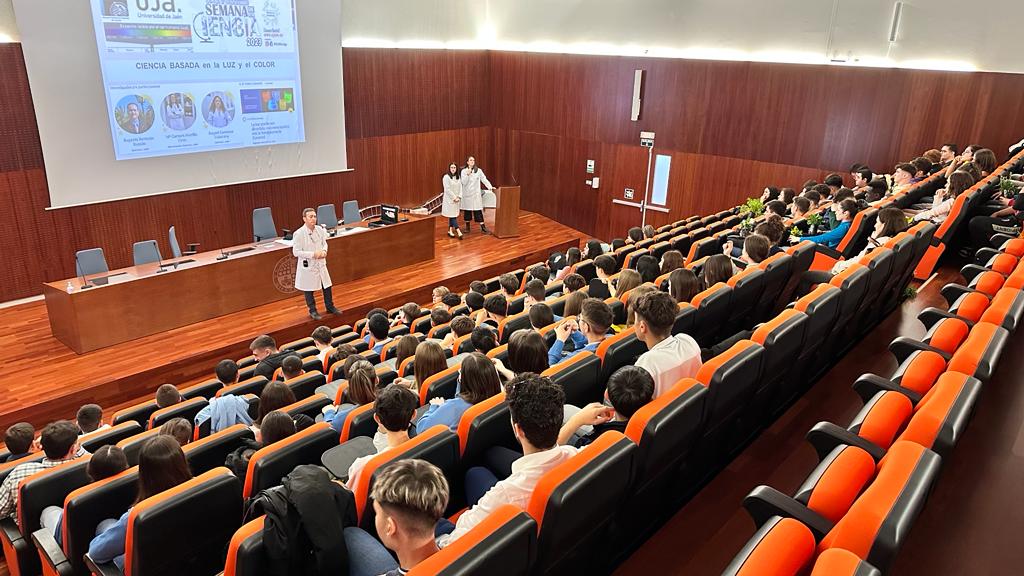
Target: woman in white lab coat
{"type": "Point", "coordinates": [309, 246]}
{"type": "Point", "coordinates": [472, 200]}
{"type": "Point", "coordinates": [452, 199]}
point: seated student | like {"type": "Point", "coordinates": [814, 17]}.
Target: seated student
{"type": "Point", "coordinates": [276, 426]}
{"type": "Point", "coordinates": [587, 333]}
{"type": "Point", "coordinates": [668, 358]}
{"type": "Point", "coordinates": [649, 232]}
{"type": "Point", "coordinates": [269, 358]}
{"type": "Point", "coordinates": [167, 395]}
{"type": "Point", "coordinates": [786, 196]}
{"type": "Point", "coordinates": [107, 461]}
{"type": "Point", "coordinates": [483, 339]}
{"type": "Point", "coordinates": [460, 326]}
{"type": "Point", "coordinates": [875, 191]}
{"type": "Point", "coordinates": [275, 395]}
{"type": "Point", "coordinates": [671, 260]}
{"type": "Point", "coordinates": [573, 256]}
{"type": "Point", "coordinates": [428, 360]}
{"type": "Point", "coordinates": [451, 300]}
{"type": "Point", "coordinates": [717, 268]}
{"type": "Point", "coordinates": [592, 249]}
{"type": "Point", "coordinates": [825, 192]}
{"type": "Point", "coordinates": [370, 314]}
{"type": "Point", "coordinates": [629, 389]}
{"type": "Point", "coordinates": [90, 419]}
{"type": "Point", "coordinates": [405, 348]}
{"type": "Point", "coordinates": [378, 328]}
{"type": "Point", "coordinates": [395, 409]}
{"type": "Point", "coordinates": [60, 444]}
{"type": "Point", "coordinates": [340, 354]}
{"type": "Point", "coordinates": [478, 381]}
{"type": "Point", "coordinates": [509, 284]}
{"type": "Point", "coordinates": [225, 411]}
{"type": "Point", "coordinates": [527, 352]}
{"type": "Point", "coordinates": [475, 302]}
{"type": "Point", "coordinates": [407, 314]}
{"type": "Point", "coordinates": [890, 222]}
{"type": "Point", "coordinates": [179, 429]}
{"type": "Point", "coordinates": [438, 294]}
{"type": "Point", "coordinates": [808, 185]}
{"type": "Point", "coordinates": [322, 340]}
{"type": "Point", "coordinates": [535, 293]}
{"type": "Point", "coordinates": [634, 235]}
{"type": "Point", "coordinates": [541, 316]}
{"type": "Point", "coordinates": [409, 497]}
{"type": "Point", "coordinates": [477, 286]}
{"type": "Point", "coordinates": [834, 182]}
{"type": "Point", "coordinates": [769, 193]}
{"type": "Point", "coordinates": [760, 246]}
{"type": "Point", "coordinates": [813, 197]}
{"type": "Point", "coordinates": [923, 167]}
{"type": "Point", "coordinates": [633, 295]}
{"type": "Point", "coordinates": [291, 367]}
{"type": "Point", "coordinates": [605, 266]}
{"type": "Point", "coordinates": [162, 466]}
{"type": "Point", "coordinates": [862, 176]}
{"type": "Point", "coordinates": [777, 207]}
{"type": "Point", "coordinates": [617, 243]}
{"type": "Point", "coordinates": [496, 307]}
{"type": "Point", "coordinates": [845, 211]}
{"type": "Point", "coordinates": [574, 303]}
{"type": "Point", "coordinates": [648, 267]}
{"type": "Point", "coordinates": [535, 405]}
{"type": "Point", "coordinates": [362, 389]}
{"type": "Point", "coordinates": [683, 285]}
{"type": "Point", "coordinates": [831, 220]}
{"type": "Point", "coordinates": [540, 272]}
{"type": "Point", "coordinates": [902, 177]}
{"type": "Point", "coordinates": [439, 316]}
{"type": "Point", "coordinates": [18, 440]}
{"type": "Point", "coordinates": [226, 372]}
{"type": "Point", "coordinates": [628, 279]}
{"type": "Point", "coordinates": [957, 183]}
{"type": "Point", "coordinates": [1006, 220]}
{"type": "Point", "coordinates": [801, 206]}
{"type": "Point", "coordinates": [573, 282]}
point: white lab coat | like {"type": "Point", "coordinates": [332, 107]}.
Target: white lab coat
{"type": "Point", "coordinates": [452, 195]}
{"type": "Point", "coordinates": [305, 242]}
{"type": "Point", "coordinates": [471, 197]}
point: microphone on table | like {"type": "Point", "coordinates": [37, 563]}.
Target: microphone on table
{"type": "Point", "coordinates": [81, 275]}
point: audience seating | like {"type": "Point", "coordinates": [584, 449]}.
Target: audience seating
{"type": "Point", "coordinates": [94, 440]}
{"type": "Point", "coordinates": [358, 422]}
{"type": "Point", "coordinates": [504, 543]}
{"type": "Point", "coordinates": [187, 410]}
{"type": "Point", "coordinates": [210, 452]}
{"type": "Point", "coordinates": [440, 385]}
{"type": "Point", "coordinates": [271, 463]}
{"type": "Point", "coordinates": [485, 424]}
{"type": "Point", "coordinates": [580, 377]}
{"type": "Point", "coordinates": [618, 351]}
{"type": "Point", "coordinates": [782, 339]}
{"type": "Point", "coordinates": [252, 385]}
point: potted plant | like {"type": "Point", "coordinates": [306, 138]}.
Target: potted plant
{"type": "Point", "coordinates": [1007, 187]}
{"type": "Point", "coordinates": [813, 221]}
{"type": "Point", "coordinates": [753, 207]}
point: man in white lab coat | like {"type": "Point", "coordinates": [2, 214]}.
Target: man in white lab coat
{"type": "Point", "coordinates": [310, 247]}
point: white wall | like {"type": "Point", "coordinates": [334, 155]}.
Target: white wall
{"type": "Point", "coordinates": [943, 34]}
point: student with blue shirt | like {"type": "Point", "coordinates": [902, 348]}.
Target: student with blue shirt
{"type": "Point", "coordinates": [594, 321]}
{"type": "Point", "coordinates": [478, 381]}
{"type": "Point", "coordinates": [845, 211]}
{"type": "Point", "coordinates": [162, 466]}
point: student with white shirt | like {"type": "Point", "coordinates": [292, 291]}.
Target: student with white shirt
{"type": "Point", "coordinates": [535, 404]}
{"type": "Point", "coordinates": [90, 418]}
{"type": "Point", "coordinates": [394, 411]}
{"type": "Point", "coordinates": [668, 358]}
{"type": "Point", "coordinates": [322, 340]}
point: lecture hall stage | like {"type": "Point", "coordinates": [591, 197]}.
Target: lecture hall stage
{"type": "Point", "coordinates": [43, 380]}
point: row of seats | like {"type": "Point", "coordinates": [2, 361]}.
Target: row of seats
{"type": "Point", "coordinates": [857, 507]}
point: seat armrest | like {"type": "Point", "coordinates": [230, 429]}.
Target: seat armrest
{"type": "Point", "coordinates": [765, 502]}
{"type": "Point", "coordinates": [931, 315]}
{"type": "Point", "coordinates": [831, 253]}
{"type": "Point", "coordinates": [106, 569]}
{"type": "Point", "coordinates": [869, 384]}
{"type": "Point", "coordinates": [825, 436]}
{"type": "Point", "coordinates": [953, 291]}
{"type": "Point", "coordinates": [981, 257]}
{"type": "Point", "coordinates": [9, 531]}
{"type": "Point", "coordinates": [903, 347]}
{"type": "Point", "coordinates": [49, 552]}
{"type": "Point", "coordinates": [1000, 239]}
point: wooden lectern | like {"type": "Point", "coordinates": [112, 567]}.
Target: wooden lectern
{"type": "Point", "coordinates": [506, 213]}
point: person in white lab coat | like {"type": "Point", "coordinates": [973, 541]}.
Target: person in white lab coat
{"type": "Point", "coordinates": [452, 199]}
{"type": "Point", "coordinates": [309, 245]}
{"type": "Point", "coordinates": [472, 200]}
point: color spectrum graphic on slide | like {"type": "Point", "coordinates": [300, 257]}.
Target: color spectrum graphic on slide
{"type": "Point", "coordinates": [187, 76]}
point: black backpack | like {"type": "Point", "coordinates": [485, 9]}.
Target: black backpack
{"type": "Point", "coordinates": [306, 517]}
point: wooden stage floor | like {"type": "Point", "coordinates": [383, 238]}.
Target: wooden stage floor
{"type": "Point", "coordinates": [42, 380]}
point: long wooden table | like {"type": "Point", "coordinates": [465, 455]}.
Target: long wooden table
{"type": "Point", "coordinates": [133, 302]}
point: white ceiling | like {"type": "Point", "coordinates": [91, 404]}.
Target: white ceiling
{"type": "Point", "coordinates": [940, 34]}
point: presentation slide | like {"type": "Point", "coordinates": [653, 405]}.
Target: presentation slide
{"type": "Point", "coordinates": [184, 76]}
